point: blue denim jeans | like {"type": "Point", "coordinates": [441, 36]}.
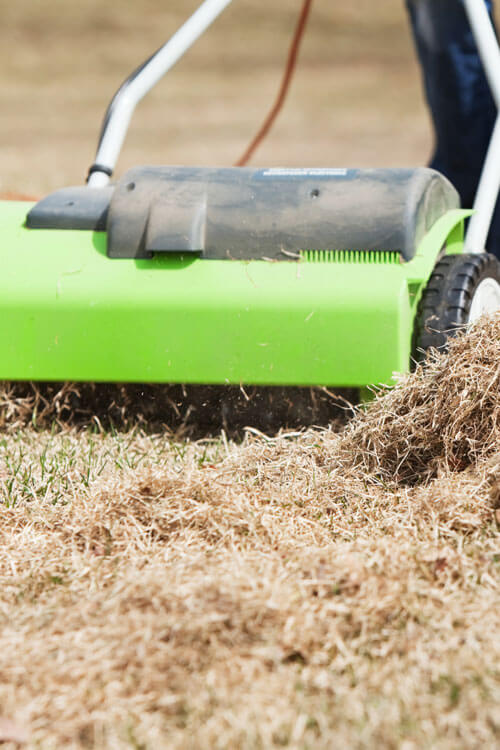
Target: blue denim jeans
{"type": "Point", "coordinates": [461, 104]}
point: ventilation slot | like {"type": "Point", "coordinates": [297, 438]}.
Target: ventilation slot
{"type": "Point", "coordinates": [351, 256]}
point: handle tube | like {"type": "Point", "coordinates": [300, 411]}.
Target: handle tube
{"type": "Point", "coordinates": [486, 197]}
{"type": "Point", "coordinates": [489, 184]}
{"type": "Point", "coordinates": [487, 43]}
{"type": "Point", "coordinates": [123, 104]}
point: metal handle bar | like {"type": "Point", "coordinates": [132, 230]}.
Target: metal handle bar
{"type": "Point", "coordinates": [489, 184]}
{"type": "Point", "coordinates": [124, 102]}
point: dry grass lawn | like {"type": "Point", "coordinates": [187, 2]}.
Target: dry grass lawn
{"type": "Point", "coordinates": [317, 589]}
{"type": "Point", "coordinates": [311, 590]}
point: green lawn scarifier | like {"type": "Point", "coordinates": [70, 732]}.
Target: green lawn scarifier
{"type": "Point", "coordinates": [237, 276]}
{"type": "Point", "coordinates": [70, 312]}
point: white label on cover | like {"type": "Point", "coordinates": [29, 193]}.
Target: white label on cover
{"type": "Point", "coordinates": [304, 172]}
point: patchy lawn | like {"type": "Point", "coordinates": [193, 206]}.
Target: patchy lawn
{"type": "Point", "coordinates": [313, 590]}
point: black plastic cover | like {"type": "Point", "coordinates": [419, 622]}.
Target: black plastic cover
{"type": "Point", "coordinates": [72, 208]}
{"type": "Point", "coordinates": [273, 213]}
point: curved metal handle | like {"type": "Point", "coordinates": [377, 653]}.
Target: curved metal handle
{"type": "Point", "coordinates": [489, 184]}
{"type": "Point", "coordinates": [142, 80]}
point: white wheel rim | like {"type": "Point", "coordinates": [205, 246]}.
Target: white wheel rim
{"type": "Point", "coordinates": [486, 300]}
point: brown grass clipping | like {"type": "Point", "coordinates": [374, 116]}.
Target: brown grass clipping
{"type": "Point", "coordinates": [445, 416]}
{"type": "Point", "coordinates": [307, 590]}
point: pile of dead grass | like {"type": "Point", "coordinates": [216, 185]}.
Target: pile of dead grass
{"type": "Point", "coordinates": [443, 417]}
{"type": "Point", "coordinates": [294, 591]}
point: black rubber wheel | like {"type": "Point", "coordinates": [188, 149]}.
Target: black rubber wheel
{"type": "Point", "coordinates": [446, 302]}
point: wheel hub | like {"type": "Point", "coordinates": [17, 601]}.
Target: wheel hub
{"type": "Point", "coordinates": [486, 300]}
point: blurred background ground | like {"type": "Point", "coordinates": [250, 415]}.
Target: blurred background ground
{"type": "Point", "coordinates": [356, 99]}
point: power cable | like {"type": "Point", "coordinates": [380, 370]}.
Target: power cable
{"type": "Point", "coordinates": [285, 85]}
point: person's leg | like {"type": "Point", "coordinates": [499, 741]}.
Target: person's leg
{"type": "Point", "coordinates": [461, 104]}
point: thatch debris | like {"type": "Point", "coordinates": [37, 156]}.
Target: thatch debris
{"type": "Point", "coordinates": [443, 417]}
{"type": "Point", "coordinates": [186, 411]}
{"type": "Point", "coordinates": [309, 589]}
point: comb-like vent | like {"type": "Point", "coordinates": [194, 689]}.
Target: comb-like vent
{"type": "Point", "coordinates": [350, 256]}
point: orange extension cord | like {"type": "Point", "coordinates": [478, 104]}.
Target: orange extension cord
{"type": "Point", "coordinates": [285, 85]}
